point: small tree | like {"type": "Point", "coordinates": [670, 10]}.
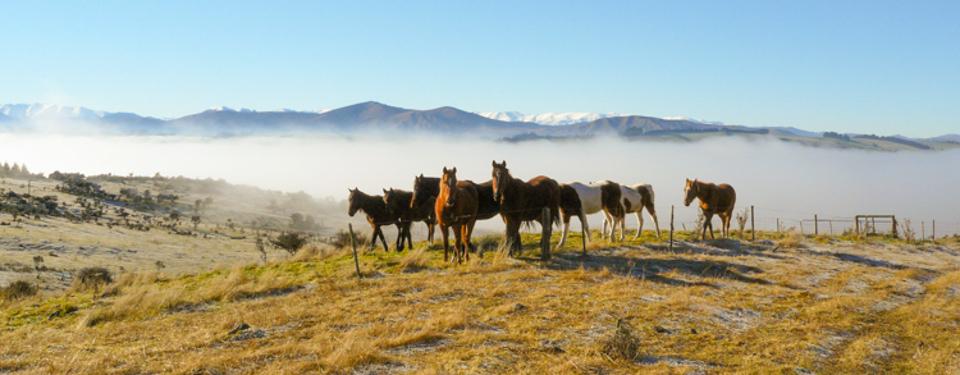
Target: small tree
{"type": "Point", "coordinates": [196, 221]}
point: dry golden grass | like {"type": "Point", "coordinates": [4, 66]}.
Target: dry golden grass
{"type": "Point", "coordinates": [839, 307]}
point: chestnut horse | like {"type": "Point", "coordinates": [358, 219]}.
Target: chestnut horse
{"type": "Point", "coordinates": [399, 201]}
{"type": "Point", "coordinates": [456, 207]}
{"type": "Point", "coordinates": [714, 199]}
{"type": "Point", "coordinates": [523, 202]}
{"type": "Point", "coordinates": [593, 197]}
{"type": "Point", "coordinates": [377, 215]}
{"type": "Point", "coordinates": [426, 190]}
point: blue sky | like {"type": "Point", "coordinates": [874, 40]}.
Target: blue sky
{"type": "Point", "coordinates": [860, 66]}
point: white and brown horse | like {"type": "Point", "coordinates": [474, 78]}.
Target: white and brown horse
{"type": "Point", "coordinates": [714, 199]}
{"type": "Point", "coordinates": [592, 198]}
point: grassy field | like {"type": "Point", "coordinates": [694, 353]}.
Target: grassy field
{"type": "Point", "coordinates": [784, 304]}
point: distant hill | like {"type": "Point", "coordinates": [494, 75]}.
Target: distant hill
{"type": "Point", "coordinates": [378, 118]}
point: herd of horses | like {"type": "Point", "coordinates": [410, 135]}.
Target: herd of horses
{"type": "Point", "coordinates": [451, 203]}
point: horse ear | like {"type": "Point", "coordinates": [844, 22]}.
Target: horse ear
{"type": "Point", "coordinates": [421, 175]}
{"type": "Point", "coordinates": [385, 191]}
{"type": "Point", "coordinates": [444, 170]}
{"type": "Point", "coordinates": [504, 163]}
{"type": "Point", "coordinates": [493, 163]}
{"type": "Point", "coordinates": [454, 170]}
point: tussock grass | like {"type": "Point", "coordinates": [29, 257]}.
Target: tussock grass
{"type": "Point", "coordinates": [17, 290]}
{"type": "Point", "coordinates": [711, 311]}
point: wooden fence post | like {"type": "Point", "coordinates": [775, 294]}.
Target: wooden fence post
{"type": "Point", "coordinates": [934, 230]}
{"type": "Point", "coordinates": [671, 228]}
{"type": "Point", "coordinates": [923, 231]}
{"type": "Point", "coordinates": [816, 225]}
{"type": "Point", "coordinates": [801, 227]}
{"type": "Point", "coordinates": [545, 235]}
{"type": "Point", "coordinates": [753, 225]}
{"type": "Point", "coordinates": [779, 229]}
{"type": "Point", "coordinates": [353, 243]}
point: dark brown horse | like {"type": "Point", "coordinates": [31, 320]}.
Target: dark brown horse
{"type": "Point", "coordinates": [400, 202]}
{"type": "Point", "coordinates": [714, 199]}
{"type": "Point", "coordinates": [377, 215]}
{"type": "Point", "coordinates": [523, 202]}
{"type": "Point", "coordinates": [456, 207]}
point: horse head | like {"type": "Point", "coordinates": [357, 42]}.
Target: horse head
{"type": "Point", "coordinates": [501, 177]}
{"type": "Point", "coordinates": [354, 200]}
{"type": "Point", "coordinates": [690, 191]}
{"type": "Point", "coordinates": [449, 181]}
{"type": "Point", "coordinates": [390, 199]}
{"type": "Point", "coordinates": [417, 194]}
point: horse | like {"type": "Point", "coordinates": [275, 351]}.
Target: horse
{"type": "Point", "coordinates": [426, 190]}
{"type": "Point", "coordinates": [635, 198]}
{"type": "Point", "coordinates": [400, 202]}
{"type": "Point", "coordinates": [593, 197]}
{"type": "Point", "coordinates": [523, 202]}
{"type": "Point", "coordinates": [456, 207]}
{"type": "Point", "coordinates": [714, 199]}
{"type": "Point", "coordinates": [378, 214]}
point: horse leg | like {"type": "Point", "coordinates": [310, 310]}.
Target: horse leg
{"type": "Point", "coordinates": [444, 234]}
{"type": "Point", "coordinates": [513, 232]}
{"type": "Point", "coordinates": [586, 227]}
{"type": "Point", "coordinates": [383, 239]}
{"type": "Point", "coordinates": [710, 224]}
{"type": "Point", "coordinates": [623, 227]}
{"type": "Point", "coordinates": [430, 227]}
{"type": "Point", "coordinates": [704, 225]}
{"type": "Point", "coordinates": [656, 223]}
{"type": "Point", "coordinates": [458, 242]}
{"type": "Point", "coordinates": [409, 236]}
{"type": "Point", "coordinates": [374, 236]}
{"type": "Point", "coordinates": [566, 227]}
{"type": "Point", "coordinates": [639, 224]}
{"type": "Point", "coordinates": [470, 225]}
{"type": "Point", "coordinates": [606, 218]}
{"type": "Point", "coordinates": [398, 244]}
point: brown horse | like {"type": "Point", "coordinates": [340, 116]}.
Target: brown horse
{"type": "Point", "coordinates": [456, 207]}
{"type": "Point", "coordinates": [377, 214]}
{"type": "Point", "coordinates": [400, 202]}
{"type": "Point", "coordinates": [523, 202]}
{"type": "Point", "coordinates": [714, 199]}
{"type": "Point", "coordinates": [426, 189]}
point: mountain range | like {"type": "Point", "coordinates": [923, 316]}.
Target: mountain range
{"type": "Point", "coordinates": [374, 117]}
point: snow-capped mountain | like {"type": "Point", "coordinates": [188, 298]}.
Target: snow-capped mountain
{"type": "Point", "coordinates": [37, 111]}
{"type": "Point", "coordinates": [549, 118]}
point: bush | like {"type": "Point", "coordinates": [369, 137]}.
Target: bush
{"type": "Point", "coordinates": [341, 239]}
{"type": "Point", "coordinates": [92, 278]}
{"type": "Point", "coordinates": [290, 241]}
{"type": "Point", "coordinates": [622, 344]}
{"type": "Point", "coordinates": [17, 290]}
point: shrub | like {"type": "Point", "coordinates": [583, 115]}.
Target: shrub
{"type": "Point", "coordinates": [17, 290]}
{"type": "Point", "coordinates": [92, 278]}
{"type": "Point", "coordinates": [622, 344]}
{"type": "Point", "coordinates": [290, 241]}
{"type": "Point", "coordinates": [341, 239]}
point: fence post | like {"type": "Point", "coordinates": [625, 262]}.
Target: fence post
{"type": "Point", "coordinates": [894, 229]}
{"type": "Point", "coordinates": [353, 244]}
{"type": "Point", "coordinates": [831, 226]}
{"type": "Point", "coordinates": [753, 225]}
{"type": "Point", "coordinates": [545, 235]}
{"type": "Point", "coordinates": [923, 231]}
{"type": "Point", "coordinates": [934, 230]}
{"type": "Point", "coordinates": [816, 225]}
{"type": "Point", "coordinates": [671, 228]}
{"type": "Point", "coordinates": [801, 227]}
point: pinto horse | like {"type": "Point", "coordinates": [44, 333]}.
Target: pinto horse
{"type": "Point", "coordinates": [592, 198]}
{"type": "Point", "coordinates": [523, 202]}
{"type": "Point", "coordinates": [636, 198]}
{"type": "Point", "coordinates": [378, 214]}
{"type": "Point", "coordinates": [456, 207]}
{"type": "Point", "coordinates": [714, 199]}
{"type": "Point", "coordinates": [400, 202]}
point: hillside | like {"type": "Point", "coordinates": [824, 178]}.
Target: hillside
{"type": "Point", "coordinates": [783, 304]}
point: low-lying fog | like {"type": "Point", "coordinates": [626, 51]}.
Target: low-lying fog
{"type": "Point", "coordinates": [781, 180]}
